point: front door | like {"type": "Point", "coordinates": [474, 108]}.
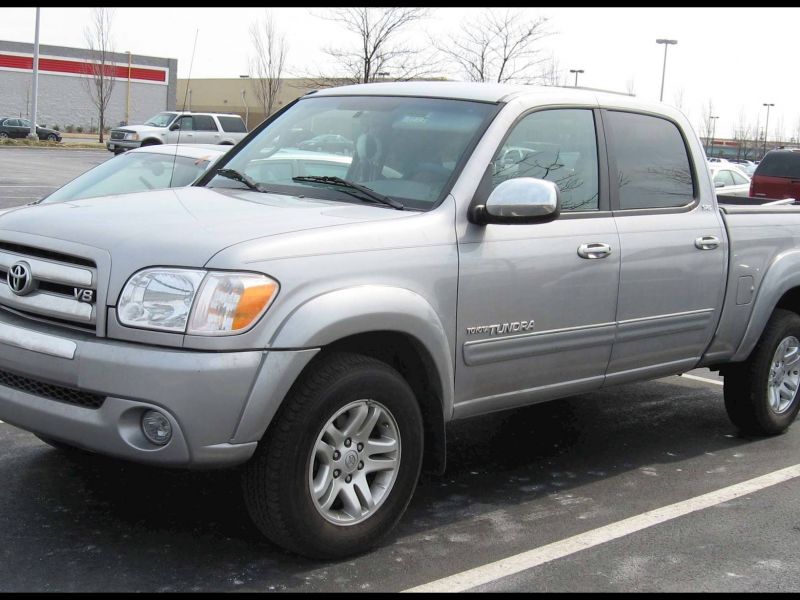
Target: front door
{"type": "Point", "coordinates": [535, 307]}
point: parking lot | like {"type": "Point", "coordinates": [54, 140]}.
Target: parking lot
{"type": "Point", "coordinates": [564, 496]}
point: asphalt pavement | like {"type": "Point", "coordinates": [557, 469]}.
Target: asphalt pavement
{"type": "Point", "coordinates": [28, 174]}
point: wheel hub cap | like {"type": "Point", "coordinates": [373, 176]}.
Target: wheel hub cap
{"type": "Point", "coordinates": [784, 376]}
{"type": "Point", "coordinates": [354, 463]}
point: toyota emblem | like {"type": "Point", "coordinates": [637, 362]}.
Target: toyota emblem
{"type": "Point", "coordinates": [19, 278]}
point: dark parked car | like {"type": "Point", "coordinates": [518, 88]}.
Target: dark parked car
{"type": "Point", "coordinates": [329, 142]}
{"type": "Point", "coordinates": [20, 128]}
{"type": "Point", "coordinates": [777, 175]}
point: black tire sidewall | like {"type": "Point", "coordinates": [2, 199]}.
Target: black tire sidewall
{"type": "Point", "coordinates": [387, 387]}
{"type": "Point", "coordinates": [781, 326]}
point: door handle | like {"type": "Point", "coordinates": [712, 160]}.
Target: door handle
{"type": "Point", "coordinates": [707, 242]}
{"type": "Point", "coordinates": [596, 250]}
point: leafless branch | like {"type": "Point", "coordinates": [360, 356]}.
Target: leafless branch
{"type": "Point", "coordinates": [100, 67]}
{"type": "Point", "coordinates": [499, 47]}
{"type": "Point", "coordinates": [266, 67]}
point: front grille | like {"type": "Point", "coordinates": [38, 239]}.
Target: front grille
{"type": "Point", "coordinates": [118, 135]}
{"type": "Point", "coordinates": [51, 392]}
{"type": "Point", "coordinates": [63, 288]}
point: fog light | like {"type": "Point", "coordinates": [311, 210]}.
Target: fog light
{"type": "Point", "coordinates": [156, 427]}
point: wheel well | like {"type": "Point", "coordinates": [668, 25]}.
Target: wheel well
{"type": "Point", "coordinates": [790, 301]}
{"type": "Point", "coordinates": [225, 144]}
{"type": "Point", "coordinates": [151, 142]}
{"type": "Point", "coordinates": [413, 361]}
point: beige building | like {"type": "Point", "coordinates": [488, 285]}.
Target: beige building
{"type": "Point", "coordinates": [235, 96]}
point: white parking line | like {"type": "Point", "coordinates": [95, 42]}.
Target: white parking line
{"type": "Point", "coordinates": [703, 379]}
{"type": "Point", "coordinates": [520, 562]}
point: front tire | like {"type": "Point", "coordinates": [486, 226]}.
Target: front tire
{"type": "Point", "coordinates": [340, 462]}
{"type": "Point", "coordinates": [52, 138]}
{"type": "Point", "coordinates": [761, 394]}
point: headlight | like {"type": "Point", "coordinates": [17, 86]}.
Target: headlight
{"type": "Point", "coordinates": [195, 301]}
{"type": "Point", "coordinates": [132, 136]}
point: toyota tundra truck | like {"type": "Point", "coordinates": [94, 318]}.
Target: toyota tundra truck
{"type": "Point", "coordinates": [316, 320]}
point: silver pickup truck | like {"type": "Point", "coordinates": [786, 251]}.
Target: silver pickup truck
{"type": "Point", "coordinates": [318, 318]}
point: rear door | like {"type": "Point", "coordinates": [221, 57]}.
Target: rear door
{"type": "Point", "coordinates": [673, 249]}
{"type": "Point", "coordinates": [205, 130]}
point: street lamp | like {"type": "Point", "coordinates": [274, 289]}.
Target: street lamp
{"type": "Point", "coordinates": [128, 98]}
{"type": "Point", "coordinates": [666, 43]}
{"type": "Point", "coordinates": [576, 71]}
{"type": "Point", "coordinates": [713, 131]}
{"type": "Point", "coordinates": [766, 128]}
{"type": "Point", "coordinates": [32, 133]}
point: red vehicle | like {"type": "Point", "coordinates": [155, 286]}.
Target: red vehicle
{"type": "Point", "coordinates": [777, 175]}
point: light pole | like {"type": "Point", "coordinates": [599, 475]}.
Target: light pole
{"type": "Point", "coordinates": [666, 43]}
{"type": "Point", "coordinates": [32, 134]}
{"type": "Point", "coordinates": [766, 129]}
{"type": "Point", "coordinates": [576, 71]}
{"type": "Point", "coordinates": [246, 108]}
{"type": "Point", "coordinates": [128, 99]}
{"type": "Point", "coordinates": [713, 131]}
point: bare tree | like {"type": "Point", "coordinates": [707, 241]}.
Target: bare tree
{"type": "Point", "coordinates": [100, 67]}
{"type": "Point", "coordinates": [780, 128]}
{"type": "Point", "coordinates": [706, 113]}
{"type": "Point", "coordinates": [551, 73]}
{"type": "Point", "coordinates": [679, 98]}
{"type": "Point", "coordinates": [380, 50]}
{"type": "Point", "coordinates": [499, 47]}
{"type": "Point", "coordinates": [742, 132]}
{"type": "Point", "coordinates": [266, 67]}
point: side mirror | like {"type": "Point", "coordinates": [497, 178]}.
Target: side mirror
{"type": "Point", "coordinates": [718, 184]}
{"type": "Point", "coordinates": [519, 201]}
{"type": "Point", "coordinates": [175, 127]}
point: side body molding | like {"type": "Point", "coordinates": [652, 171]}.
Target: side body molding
{"type": "Point", "coordinates": [781, 276]}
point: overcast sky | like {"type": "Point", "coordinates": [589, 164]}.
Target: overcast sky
{"type": "Point", "coordinates": [737, 57]}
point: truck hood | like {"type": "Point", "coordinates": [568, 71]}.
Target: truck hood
{"type": "Point", "coordinates": [180, 226]}
{"type": "Point", "coordinates": [142, 128]}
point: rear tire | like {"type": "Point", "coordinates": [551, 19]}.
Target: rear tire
{"type": "Point", "coordinates": [364, 404]}
{"type": "Point", "coordinates": [761, 393]}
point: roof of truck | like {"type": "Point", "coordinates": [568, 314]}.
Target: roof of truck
{"type": "Point", "coordinates": [493, 92]}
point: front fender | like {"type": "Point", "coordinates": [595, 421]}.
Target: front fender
{"type": "Point", "coordinates": [781, 276]}
{"type": "Point", "coordinates": [342, 313]}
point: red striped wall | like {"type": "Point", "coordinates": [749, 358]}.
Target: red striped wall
{"type": "Point", "coordinates": [75, 67]}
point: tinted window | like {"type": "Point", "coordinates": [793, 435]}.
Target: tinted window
{"type": "Point", "coordinates": [204, 123]}
{"type": "Point", "coordinates": [11, 123]}
{"type": "Point", "coordinates": [232, 124]}
{"type": "Point", "coordinates": [780, 164]}
{"type": "Point", "coordinates": [556, 145]}
{"type": "Point", "coordinates": [653, 167]}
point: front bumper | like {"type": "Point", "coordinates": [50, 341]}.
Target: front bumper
{"type": "Point", "coordinates": [203, 394]}
{"type": "Point", "coordinates": [114, 145]}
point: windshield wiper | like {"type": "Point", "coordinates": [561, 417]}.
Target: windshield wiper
{"type": "Point", "coordinates": [241, 178]}
{"type": "Point", "coordinates": [338, 181]}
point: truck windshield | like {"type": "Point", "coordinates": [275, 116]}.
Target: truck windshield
{"type": "Point", "coordinates": [161, 119]}
{"type": "Point", "coordinates": [401, 147]}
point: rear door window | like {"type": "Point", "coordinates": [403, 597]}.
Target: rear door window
{"type": "Point", "coordinates": [204, 123]}
{"type": "Point", "coordinates": [652, 164]}
{"type": "Point", "coordinates": [232, 124]}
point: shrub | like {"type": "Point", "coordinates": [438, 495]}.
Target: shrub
{"type": "Point", "coordinates": [56, 128]}
{"type": "Point", "coordinates": [69, 128]}
{"type": "Point", "coordinates": [79, 129]}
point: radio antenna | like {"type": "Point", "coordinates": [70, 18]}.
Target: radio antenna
{"type": "Point", "coordinates": [185, 94]}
